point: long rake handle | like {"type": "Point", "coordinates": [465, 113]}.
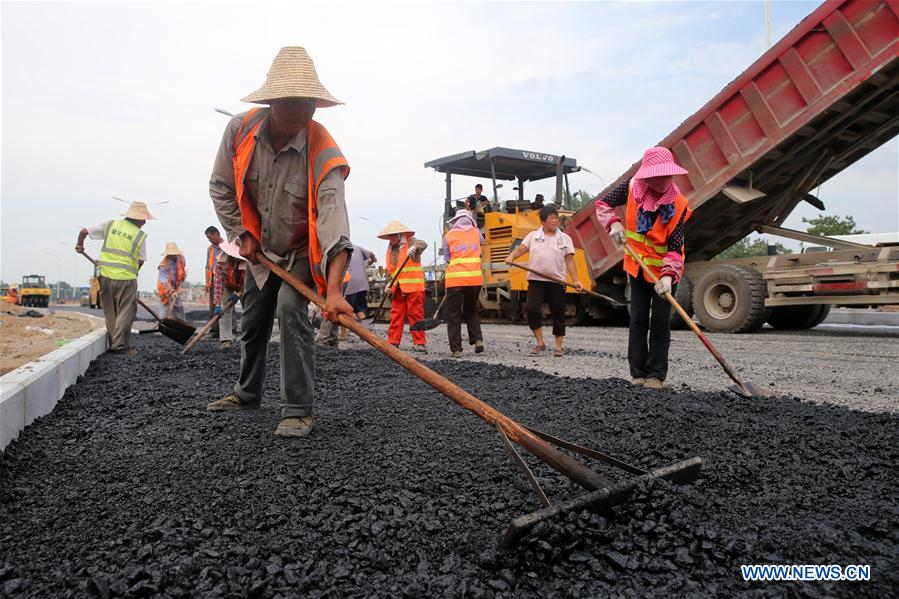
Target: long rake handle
{"type": "Point", "coordinates": [139, 301]}
{"type": "Point", "coordinates": [559, 281]}
{"type": "Point", "coordinates": [705, 340]}
{"type": "Point", "coordinates": [571, 468]}
{"type": "Point", "coordinates": [206, 328]}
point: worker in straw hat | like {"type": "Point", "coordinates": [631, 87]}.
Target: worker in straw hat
{"type": "Point", "coordinates": [172, 272]}
{"type": "Point", "coordinates": [124, 251]}
{"type": "Point", "coordinates": [654, 215]}
{"type": "Point", "coordinates": [278, 188]}
{"type": "Point", "coordinates": [407, 295]}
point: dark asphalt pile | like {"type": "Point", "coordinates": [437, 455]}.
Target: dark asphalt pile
{"type": "Point", "coordinates": [130, 488]}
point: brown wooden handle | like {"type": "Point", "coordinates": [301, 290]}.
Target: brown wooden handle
{"type": "Point", "coordinates": [571, 468]}
{"type": "Point", "coordinates": [206, 328]}
{"type": "Point", "coordinates": [683, 314]}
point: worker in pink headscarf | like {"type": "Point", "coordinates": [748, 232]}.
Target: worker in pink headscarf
{"type": "Point", "coordinates": [654, 215]}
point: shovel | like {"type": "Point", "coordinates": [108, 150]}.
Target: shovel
{"type": "Point", "coordinates": [605, 298]}
{"type": "Point", "coordinates": [427, 324]}
{"type": "Point", "coordinates": [201, 332]}
{"type": "Point", "coordinates": [173, 328]}
{"type": "Point", "coordinates": [602, 492]}
{"type": "Point", "coordinates": [740, 388]}
{"type": "Point", "coordinates": [370, 322]}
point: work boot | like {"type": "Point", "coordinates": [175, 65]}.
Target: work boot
{"type": "Point", "coordinates": [653, 383]}
{"type": "Point", "coordinates": [638, 380]}
{"type": "Point", "coordinates": [226, 344]}
{"type": "Point", "coordinates": [295, 427]}
{"type": "Point", "coordinates": [457, 353]}
{"type": "Point", "coordinates": [326, 343]}
{"type": "Point", "coordinates": [228, 403]}
{"type": "Point", "coordinates": [343, 334]}
{"type": "Point", "coordinates": [420, 348]}
{"type": "Point", "coordinates": [478, 347]}
{"type": "Point", "coordinates": [127, 351]}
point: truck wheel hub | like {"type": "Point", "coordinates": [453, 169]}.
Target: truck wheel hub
{"type": "Point", "coordinates": [720, 300]}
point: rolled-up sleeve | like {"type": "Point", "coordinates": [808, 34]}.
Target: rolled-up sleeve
{"type": "Point", "coordinates": [221, 184]}
{"type": "Point", "coordinates": [333, 223]}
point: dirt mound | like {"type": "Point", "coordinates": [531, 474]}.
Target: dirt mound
{"type": "Point", "coordinates": [23, 339]}
{"type": "Point", "coordinates": [131, 488]}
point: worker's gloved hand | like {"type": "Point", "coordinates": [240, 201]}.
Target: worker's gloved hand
{"type": "Point", "coordinates": [234, 298]}
{"type": "Point", "coordinates": [79, 248]}
{"type": "Point", "coordinates": [217, 311]}
{"type": "Point", "coordinates": [411, 252]}
{"type": "Point", "coordinates": [664, 285]}
{"type": "Point", "coordinates": [616, 232]}
{"type": "Point", "coordinates": [389, 291]}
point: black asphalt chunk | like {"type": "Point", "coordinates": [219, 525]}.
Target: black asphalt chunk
{"type": "Point", "coordinates": [130, 488]}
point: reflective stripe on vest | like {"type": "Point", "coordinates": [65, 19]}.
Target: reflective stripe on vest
{"type": "Point", "coordinates": [323, 156]}
{"type": "Point", "coordinates": [464, 268]}
{"type": "Point", "coordinates": [652, 245]}
{"type": "Point", "coordinates": [121, 246]}
{"type": "Point", "coordinates": [412, 278]}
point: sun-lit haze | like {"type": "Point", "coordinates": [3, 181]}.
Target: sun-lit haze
{"type": "Point", "coordinates": [116, 99]}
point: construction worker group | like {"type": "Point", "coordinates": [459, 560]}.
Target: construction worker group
{"type": "Point", "coordinates": [278, 190]}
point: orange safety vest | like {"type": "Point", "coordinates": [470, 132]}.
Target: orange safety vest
{"type": "Point", "coordinates": [234, 276]}
{"type": "Point", "coordinates": [323, 157]}
{"type": "Point", "coordinates": [412, 278]}
{"type": "Point", "coordinates": [653, 245]}
{"type": "Point", "coordinates": [210, 266]}
{"type": "Point", "coordinates": [464, 268]}
{"type": "Point", "coordinates": [175, 279]}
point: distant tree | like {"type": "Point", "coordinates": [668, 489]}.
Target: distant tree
{"type": "Point", "coordinates": [832, 225]}
{"type": "Point", "coordinates": [576, 200]}
{"type": "Point", "coordinates": [750, 247]}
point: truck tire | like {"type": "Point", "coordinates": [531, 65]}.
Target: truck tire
{"type": "Point", "coordinates": [797, 318]}
{"type": "Point", "coordinates": [731, 299]}
{"type": "Point", "coordinates": [684, 296]}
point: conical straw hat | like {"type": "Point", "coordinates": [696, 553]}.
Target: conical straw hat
{"type": "Point", "coordinates": [171, 249]}
{"type": "Point", "coordinates": [394, 228]}
{"type": "Point", "coordinates": [292, 75]}
{"type": "Point", "coordinates": [138, 211]}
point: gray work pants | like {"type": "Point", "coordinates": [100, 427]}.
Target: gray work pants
{"type": "Point", "coordinates": [297, 342]}
{"type": "Point", "coordinates": [119, 300]}
{"type": "Point", "coordinates": [226, 322]}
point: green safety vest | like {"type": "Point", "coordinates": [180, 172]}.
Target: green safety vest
{"type": "Point", "coordinates": [119, 256]}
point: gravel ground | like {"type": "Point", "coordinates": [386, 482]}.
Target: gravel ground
{"type": "Point", "coordinates": [130, 488]}
{"type": "Point", "coordinates": [850, 366]}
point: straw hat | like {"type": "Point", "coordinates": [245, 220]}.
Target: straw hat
{"type": "Point", "coordinates": [292, 75]}
{"type": "Point", "coordinates": [658, 162]}
{"type": "Point", "coordinates": [138, 211]}
{"type": "Point", "coordinates": [394, 228]}
{"type": "Point", "coordinates": [171, 249]}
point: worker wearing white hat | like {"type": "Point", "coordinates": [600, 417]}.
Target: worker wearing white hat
{"type": "Point", "coordinates": [124, 252]}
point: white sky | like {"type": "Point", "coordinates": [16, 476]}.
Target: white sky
{"type": "Point", "coordinates": [103, 99]}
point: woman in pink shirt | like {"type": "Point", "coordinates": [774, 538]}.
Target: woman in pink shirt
{"type": "Point", "coordinates": [550, 252]}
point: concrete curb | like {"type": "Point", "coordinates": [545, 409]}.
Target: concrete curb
{"type": "Point", "coordinates": [33, 389]}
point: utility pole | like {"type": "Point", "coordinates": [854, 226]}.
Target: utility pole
{"type": "Point", "coordinates": [767, 25]}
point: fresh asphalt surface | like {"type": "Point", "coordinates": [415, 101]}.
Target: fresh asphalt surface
{"type": "Point", "coordinates": [130, 488]}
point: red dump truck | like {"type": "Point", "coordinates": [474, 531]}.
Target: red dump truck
{"type": "Point", "coordinates": [820, 99]}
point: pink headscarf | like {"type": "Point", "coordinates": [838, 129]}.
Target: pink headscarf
{"type": "Point", "coordinates": [657, 162]}
{"type": "Point", "coordinates": [463, 220]}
